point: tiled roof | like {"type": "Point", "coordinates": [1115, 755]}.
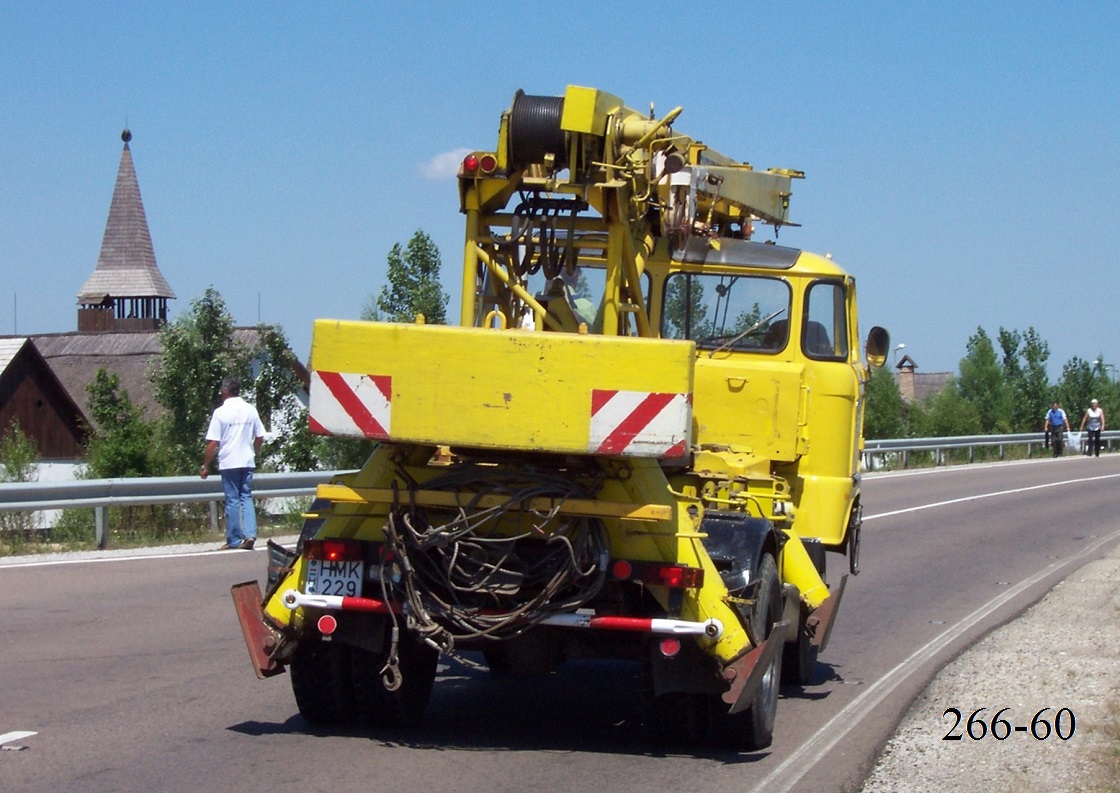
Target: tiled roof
{"type": "Point", "coordinates": [127, 264]}
{"type": "Point", "coordinates": [927, 385]}
{"type": "Point", "coordinates": [76, 357]}
{"type": "Point", "coordinates": [9, 348]}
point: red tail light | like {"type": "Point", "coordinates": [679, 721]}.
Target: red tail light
{"type": "Point", "coordinates": [674, 576]}
{"type": "Point", "coordinates": [473, 164]}
{"type": "Point", "coordinates": [333, 550]}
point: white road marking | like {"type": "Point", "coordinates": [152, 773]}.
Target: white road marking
{"type": "Point", "coordinates": [16, 563]}
{"type": "Point", "coordinates": [982, 496]}
{"type": "Point", "coordinates": [19, 735]}
{"type": "Point", "coordinates": [827, 737]}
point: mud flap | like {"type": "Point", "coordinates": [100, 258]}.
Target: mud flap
{"type": "Point", "coordinates": [745, 673]}
{"type": "Point", "coordinates": [259, 638]}
{"type": "Point", "coordinates": [820, 621]}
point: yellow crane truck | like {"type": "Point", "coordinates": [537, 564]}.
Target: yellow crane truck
{"type": "Point", "coordinates": [639, 443]}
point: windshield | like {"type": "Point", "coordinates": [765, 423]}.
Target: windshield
{"type": "Point", "coordinates": [735, 312]}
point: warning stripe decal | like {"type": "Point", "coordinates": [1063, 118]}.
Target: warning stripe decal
{"type": "Point", "coordinates": [640, 423]}
{"type": "Point", "coordinates": [350, 404]}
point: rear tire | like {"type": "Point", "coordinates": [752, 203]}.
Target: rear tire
{"type": "Point", "coordinates": [321, 682]}
{"type": "Point", "coordinates": [753, 729]}
{"type": "Point", "coordinates": [404, 707]}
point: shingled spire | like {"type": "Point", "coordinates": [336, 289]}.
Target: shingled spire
{"type": "Point", "coordinates": [127, 290]}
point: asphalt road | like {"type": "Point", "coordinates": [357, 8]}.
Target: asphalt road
{"type": "Point", "coordinates": [133, 675]}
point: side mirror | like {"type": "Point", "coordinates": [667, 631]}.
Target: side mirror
{"type": "Point", "coordinates": [878, 343]}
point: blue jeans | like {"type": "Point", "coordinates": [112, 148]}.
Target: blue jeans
{"type": "Point", "coordinates": [241, 517]}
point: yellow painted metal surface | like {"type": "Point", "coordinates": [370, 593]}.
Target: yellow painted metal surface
{"type": "Point", "coordinates": [440, 498]}
{"type": "Point", "coordinates": [748, 404]}
{"type": "Point", "coordinates": [798, 569]}
{"type": "Point", "coordinates": [519, 390]}
{"type": "Point", "coordinates": [586, 109]}
{"type": "Point", "coordinates": [274, 607]}
{"type": "Point", "coordinates": [676, 540]}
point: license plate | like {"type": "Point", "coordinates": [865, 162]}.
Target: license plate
{"type": "Point", "coordinates": [325, 577]}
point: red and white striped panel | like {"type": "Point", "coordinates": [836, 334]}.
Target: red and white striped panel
{"type": "Point", "coordinates": [640, 423]}
{"type": "Point", "coordinates": [352, 405]}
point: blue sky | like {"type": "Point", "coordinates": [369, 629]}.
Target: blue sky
{"type": "Point", "coordinates": [961, 158]}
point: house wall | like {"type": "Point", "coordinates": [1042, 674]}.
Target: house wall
{"type": "Point", "coordinates": [30, 396]}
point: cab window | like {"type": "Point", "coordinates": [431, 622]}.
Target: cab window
{"type": "Point", "coordinates": [825, 334]}
{"type": "Point", "coordinates": [734, 312]}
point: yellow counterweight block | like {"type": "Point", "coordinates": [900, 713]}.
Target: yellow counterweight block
{"type": "Point", "coordinates": [508, 391]}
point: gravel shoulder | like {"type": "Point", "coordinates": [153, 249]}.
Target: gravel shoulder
{"type": "Point", "coordinates": [1063, 652]}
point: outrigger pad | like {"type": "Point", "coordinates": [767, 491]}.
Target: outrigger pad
{"type": "Point", "coordinates": [745, 672]}
{"type": "Point", "coordinates": [820, 622]}
{"type": "Point", "coordinates": [258, 637]}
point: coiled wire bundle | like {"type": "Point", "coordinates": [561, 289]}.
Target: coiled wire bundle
{"type": "Point", "coordinates": [492, 572]}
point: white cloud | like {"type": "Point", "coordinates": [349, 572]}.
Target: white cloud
{"type": "Point", "coordinates": [444, 166]}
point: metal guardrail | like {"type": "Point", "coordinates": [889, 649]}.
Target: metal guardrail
{"type": "Point", "coordinates": [875, 450]}
{"type": "Point", "coordinates": [100, 494]}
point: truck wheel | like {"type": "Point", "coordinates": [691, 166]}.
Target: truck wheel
{"type": "Point", "coordinates": [405, 706]}
{"type": "Point", "coordinates": [753, 729]}
{"type": "Point", "coordinates": [799, 658]}
{"type": "Point", "coordinates": [322, 683]}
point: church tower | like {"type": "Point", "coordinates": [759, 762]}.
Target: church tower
{"type": "Point", "coordinates": [126, 291]}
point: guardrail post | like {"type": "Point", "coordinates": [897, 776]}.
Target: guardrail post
{"type": "Point", "coordinates": [214, 516]}
{"type": "Point", "coordinates": [100, 520]}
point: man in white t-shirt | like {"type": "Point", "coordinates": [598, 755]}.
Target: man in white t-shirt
{"type": "Point", "coordinates": [1095, 418]}
{"type": "Point", "coordinates": [235, 435]}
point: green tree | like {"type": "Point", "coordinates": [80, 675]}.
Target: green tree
{"type": "Point", "coordinates": [275, 380]}
{"type": "Point", "coordinates": [1024, 372]}
{"type": "Point", "coordinates": [370, 311]}
{"type": "Point", "coordinates": [886, 413]}
{"type": "Point", "coordinates": [686, 313]}
{"type": "Point", "coordinates": [198, 351]}
{"type": "Point", "coordinates": [949, 414]}
{"type": "Point", "coordinates": [18, 455]}
{"type": "Point", "coordinates": [1036, 381]}
{"type": "Point", "coordinates": [18, 460]}
{"type": "Point", "coordinates": [1077, 386]}
{"type": "Point", "coordinates": [275, 386]}
{"type": "Point", "coordinates": [981, 383]}
{"type": "Point", "coordinates": [414, 286]}
{"type": "Point", "coordinates": [122, 442]}
{"type": "Point", "coordinates": [1107, 390]}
